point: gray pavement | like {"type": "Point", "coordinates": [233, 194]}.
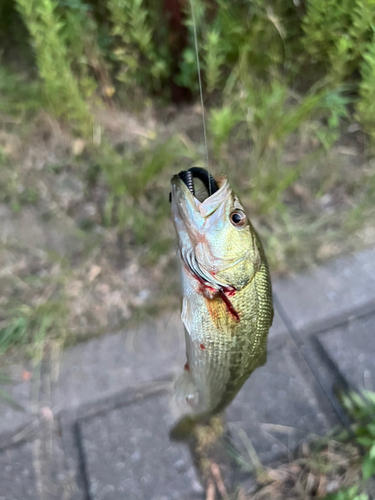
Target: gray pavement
{"type": "Point", "coordinates": [97, 427]}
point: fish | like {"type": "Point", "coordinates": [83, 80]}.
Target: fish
{"type": "Point", "coordinates": [227, 308]}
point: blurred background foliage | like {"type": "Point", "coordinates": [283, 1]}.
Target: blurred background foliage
{"type": "Point", "coordinates": [85, 50]}
{"type": "Point", "coordinates": [98, 107]}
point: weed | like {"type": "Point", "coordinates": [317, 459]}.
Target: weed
{"type": "Point", "coordinates": [267, 115]}
{"type": "Point", "coordinates": [336, 32]}
{"type": "Point", "coordinates": [347, 494]}
{"type": "Point", "coordinates": [19, 97]}
{"type": "Point", "coordinates": [365, 105]}
{"type": "Point", "coordinates": [79, 34]}
{"type": "Point", "coordinates": [140, 58]}
{"type": "Point", "coordinates": [362, 409]}
{"type": "Point", "coordinates": [128, 184]}
{"type": "Point", "coordinates": [60, 87]}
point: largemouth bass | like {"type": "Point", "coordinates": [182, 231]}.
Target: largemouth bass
{"type": "Point", "coordinates": [227, 298]}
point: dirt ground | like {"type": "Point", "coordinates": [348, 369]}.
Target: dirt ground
{"type": "Point", "coordinates": [59, 261]}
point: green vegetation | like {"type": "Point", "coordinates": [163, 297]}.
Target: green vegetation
{"type": "Point", "coordinates": [80, 48]}
{"type": "Point", "coordinates": [362, 410]}
{"type": "Point", "coordinates": [60, 85]}
{"type": "Point", "coordinates": [342, 461]}
{"type": "Point", "coordinates": [94, 86]}
{"type": "Point", "coordinates": [140, 58]}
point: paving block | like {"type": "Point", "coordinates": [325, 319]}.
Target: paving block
{"type": "Point", "coordinates": [12, 419]}
{"type": "Point", "coordinates": [278, 327]}
{"type": "Point", "coordinates": [128, 454]}
{"type": "Point", "coordinates": [38, 468]}
{"type": "Point", "coordinates": [17, 476]}
{"type": "Point", "coordinates": [366, 260]}
{"type": "Point", "coordinates": [127, 450]}
{"type": "Point", "coordinates": [280, 405]}
{"type": "Point", "coordinates": [325, 293]}
{"type": "Point", "coordinates": [102, 367]}
{"type": "Point", "coordinates": [351, 347]}
{"type": "Point", "coordinates": [110, 364]}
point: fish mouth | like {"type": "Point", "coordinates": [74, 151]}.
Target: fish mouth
{"type": "Point", "coordinates": [196, 194]}
{"type": "Point", "coordinates": [188, 176]}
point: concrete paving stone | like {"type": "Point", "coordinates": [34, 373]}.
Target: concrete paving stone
{"type": "Point", "coordinates": [332, 291]}
{"type": "Point", "coordinates": [280, 405]}
{"type": "Point", "coordinates": [113, 363]}
{"type": "Point", "coordinates": [366, 260]}
{"type": "Point", "coordinates": [128, 455]}
{"type": "Point", "coordinates": [127, 450]}
{"type": "Point", "coordinates": [17, 476]}
{"type": "Point", "coordinates": [38, 468]}
{"type": "Point", "coordinates": [351, 347]}
{"type": "Point", "coordinates": [13, 420]}
{"type": "Point", "coordinates": [278, 327]}
{"type": "Point", "coordinates": [102, 367]}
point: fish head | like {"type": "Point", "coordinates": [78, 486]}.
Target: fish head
{"type": "Point", "coordinates": [216, 239]}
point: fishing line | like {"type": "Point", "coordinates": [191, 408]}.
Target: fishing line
{"type": "Point", "coordinates": [200, 85]}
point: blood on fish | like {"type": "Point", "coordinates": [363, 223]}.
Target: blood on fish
{"type": "Point", "coordinates": [210, 292]}
{"type": "Point", "coordinates": [229, 305]}
{"type": "Point", "coordinates": [186, 366]}
{"type": "Point", "coordinates": [229, 291]}
{"type": "Point", "coordinates": [203, 347]}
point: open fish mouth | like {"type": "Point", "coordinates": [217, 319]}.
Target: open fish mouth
{"type": "Point", "coordinates": [188, 176]}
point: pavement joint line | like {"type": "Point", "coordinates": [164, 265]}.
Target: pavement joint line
{"type": "Point", "coordinates": [322, 326]}
{"type": "Point", "coordinates": [88, 410]}
{"type": "Point", "coordinates": [120, 400]}
{"type": "Point", "coordinates": [327, 359]}
{"type": "Point", "coordinates": [344, 384]}
{"type": "Point", "coordinates": [304, 350]}
{"type": "Point", "coordinates": [82, 463]}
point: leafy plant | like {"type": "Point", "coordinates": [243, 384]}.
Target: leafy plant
{"type": "Point", "coordinates": [18, 95]}
{"type": "Point", "coordinates": [362, 409]}
{"type": "Point", "coordinates": [79, 34]}
{"type": "Point", "coordinates": [140, 59]}
{"type": "Point", "coordinates": [266, 116]}
{"type": "Point", "coordinates": [366, 102]}
{"type": "Point", "coordinates": [336, 33]}
{"type": "Point", "coordinates": [347, 494]}
{"type": "Point", "coordinates": [61, 91]}
{"type": "Point", "coordinates": [28, 327]}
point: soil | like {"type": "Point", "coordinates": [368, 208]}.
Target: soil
{"type": "Point", "coordinates": [55, 247]}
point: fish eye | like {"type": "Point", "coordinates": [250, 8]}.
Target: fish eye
{"type": "Point", "coordinates": [238, 218]}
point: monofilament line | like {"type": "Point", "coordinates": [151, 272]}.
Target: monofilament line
{"type": "Point", "coordinates": [200, 81]}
